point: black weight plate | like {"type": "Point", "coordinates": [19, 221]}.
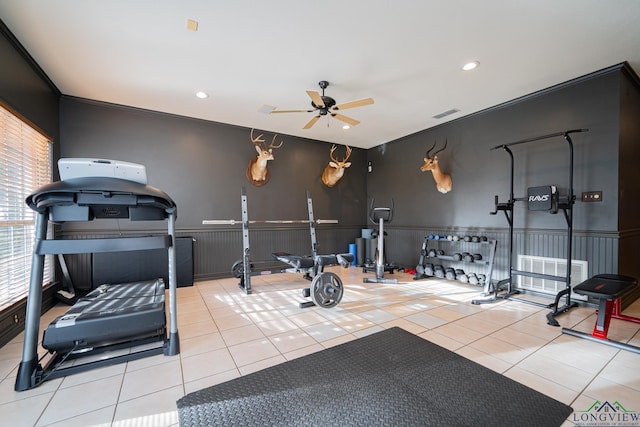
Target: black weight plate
{"type": "Point", "coordinates": [237, 269]}
{"type": "Point", "coordinates": [326, 290]}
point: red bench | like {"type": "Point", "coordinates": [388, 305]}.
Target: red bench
{"type": "Point", "coordinates": [608, 289]}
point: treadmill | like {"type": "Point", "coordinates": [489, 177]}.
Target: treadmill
{"type": "Point", "coordinates": [117, 322]}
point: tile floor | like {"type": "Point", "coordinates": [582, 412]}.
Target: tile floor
{"type": "Point", "coordinates": [225, 334]}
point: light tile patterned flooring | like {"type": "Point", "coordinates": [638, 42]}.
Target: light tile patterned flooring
{"type": "Point", "coordinates": [225, 334]}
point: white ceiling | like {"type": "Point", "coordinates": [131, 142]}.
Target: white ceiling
{"type": "Point", "coordinates": [406, 54]}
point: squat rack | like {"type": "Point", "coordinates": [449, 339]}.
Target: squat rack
{"type": "Point", "coordinates": [242, 269]}
{"type": "Point", "coordinates": [566, 204]}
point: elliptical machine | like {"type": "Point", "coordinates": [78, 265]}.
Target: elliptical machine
{"type": "Point", "coordinates": [380, 216]}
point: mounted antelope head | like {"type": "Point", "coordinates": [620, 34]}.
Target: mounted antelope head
{"type": "Point", "coordinates": [443, 180]}
{"type": "Point", "coordinates": [335, 169]}
{"type": "Point", "coordinates": [257, 172]}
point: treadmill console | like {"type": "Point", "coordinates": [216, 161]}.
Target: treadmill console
{"type": "Point", "coordinates": [99, 168]}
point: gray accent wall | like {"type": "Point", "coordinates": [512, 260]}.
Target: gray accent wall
{"type": "Point", "coordinates": [202, 166]}
{"type": "Point", "coordinates": [25, 89]}
{"type": "Point", "coordinates": [480, 173]}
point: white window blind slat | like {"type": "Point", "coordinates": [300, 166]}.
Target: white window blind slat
{"type": "Point", "coordinates": [26, 159]}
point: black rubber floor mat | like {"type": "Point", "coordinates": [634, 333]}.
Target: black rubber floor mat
{"type": "Point", "coordinates": [391, 378]}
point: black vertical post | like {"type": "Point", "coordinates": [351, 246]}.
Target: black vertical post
{"type": "Point", "coordinates": [26, 377]}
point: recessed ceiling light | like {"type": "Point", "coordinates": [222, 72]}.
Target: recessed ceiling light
{"type": "Point", "coordinates": [470, 65]}
{"type": "Point", "coordinates": [202, 95]}
{"type": "Point", "coordinates": [346, 127]}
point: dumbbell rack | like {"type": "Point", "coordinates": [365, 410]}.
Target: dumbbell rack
{"type": "Point", "coordinates": [457, 247]}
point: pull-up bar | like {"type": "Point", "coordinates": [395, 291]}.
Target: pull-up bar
{"type": "Point", "coordinates": [538, 138]}
{"type": "Point", "coordinates": [567, 208]}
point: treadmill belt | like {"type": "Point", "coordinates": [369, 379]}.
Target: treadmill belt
{"type": "Point", "coordinates": [108, 315]}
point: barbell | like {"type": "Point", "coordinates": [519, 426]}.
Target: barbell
{"type": "Point", "coordinates": [267, 221]}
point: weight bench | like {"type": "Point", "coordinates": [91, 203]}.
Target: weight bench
{"type": "Point", "coordinates": [608, 289]}
{"type": "Point", "coordinates": [299, 264]}
{"type": "Point", "coordinates": [302, 263]}
{"type": "Point", "coordinates": [326, 288]}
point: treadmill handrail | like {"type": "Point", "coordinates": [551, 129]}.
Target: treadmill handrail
{"type": "Point", "coordinates": [120, 244]}
{"type": "Point", "coordinates": [109, 191]}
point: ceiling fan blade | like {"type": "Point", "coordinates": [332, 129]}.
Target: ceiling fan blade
{"type": "Point", "coordinates": [345, 119]}
{"type": "Point", "coordinates": [316, 98]}
{"type": "Point", "coordinates": [311, 122]}
{"type": "Point", "coordinates": [352, 104]}
{"type": "Point", "coordinates": [291, 111]}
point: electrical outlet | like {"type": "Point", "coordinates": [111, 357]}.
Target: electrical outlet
{"type": "Point", "coordinates": [592, 196]}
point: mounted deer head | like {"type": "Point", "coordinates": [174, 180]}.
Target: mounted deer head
{"type": "Point", "coordinates": [257, 172]}
{"type": "Point", "coordinates": [443, 180]}
{"type": "Point", "coordinates": [335, 169]}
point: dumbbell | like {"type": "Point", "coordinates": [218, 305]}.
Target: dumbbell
{"type": "Point", "coordinates": [477, 257]}
{"type": "Point", "coordinates": [483, 238]}
{"type": "Point", "coordinates": [450, 274]}
{"type": "Point", "coordinates": [457, 256]}
{"type": "Point", "coordinates": [467, 238]}
{"type": "Point", "coordinates": [481, 279]}
{"type": "Point", "coordinates": [473, 279]}
{"type": "Point", "coordinates": [428, 269]}
{"type": "Point", "coordinates": [467, 257]}
{"type": "Point", "coordinates": [420, 269]}
{"type": "Point", "coordinates": [438, 271]}
{"type": "Point", "coordinates": [460, 276]}
{"type": "Point", "coordinates": [435, 252]}
{"type": "Point", "coordinates": [455, 238]}
{"type": "Point", "coordinates": [450, 237]}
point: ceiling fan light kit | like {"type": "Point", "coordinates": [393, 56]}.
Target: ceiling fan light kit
{"type": "Point", "coordinates": [325, 105]}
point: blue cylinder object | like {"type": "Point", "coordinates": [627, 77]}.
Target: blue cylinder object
{"type": "Point", "coordinates": [366, 233]}
{"type": "Point", "coordinates": [354, 252]}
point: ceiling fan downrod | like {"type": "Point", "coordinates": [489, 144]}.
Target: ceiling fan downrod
{"type": "Point", "coordinates": [328, 102]}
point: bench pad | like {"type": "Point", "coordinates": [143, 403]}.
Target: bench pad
{"type": "Point", "coordinates": [305, 262]}
{"type": "Point", "coordinates": [294, 260]}
{"type": "Point", "coordinates": [607, 286]}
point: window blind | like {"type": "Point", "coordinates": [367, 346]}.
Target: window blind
{"type": "Point", "coordinates": [25, 165]}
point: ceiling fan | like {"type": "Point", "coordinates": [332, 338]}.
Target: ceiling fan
{"type": "Point", "coordinates": [325, 105]}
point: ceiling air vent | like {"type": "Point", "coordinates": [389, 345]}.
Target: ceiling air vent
{"type": "Point", "coordinates": [446, 113]}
